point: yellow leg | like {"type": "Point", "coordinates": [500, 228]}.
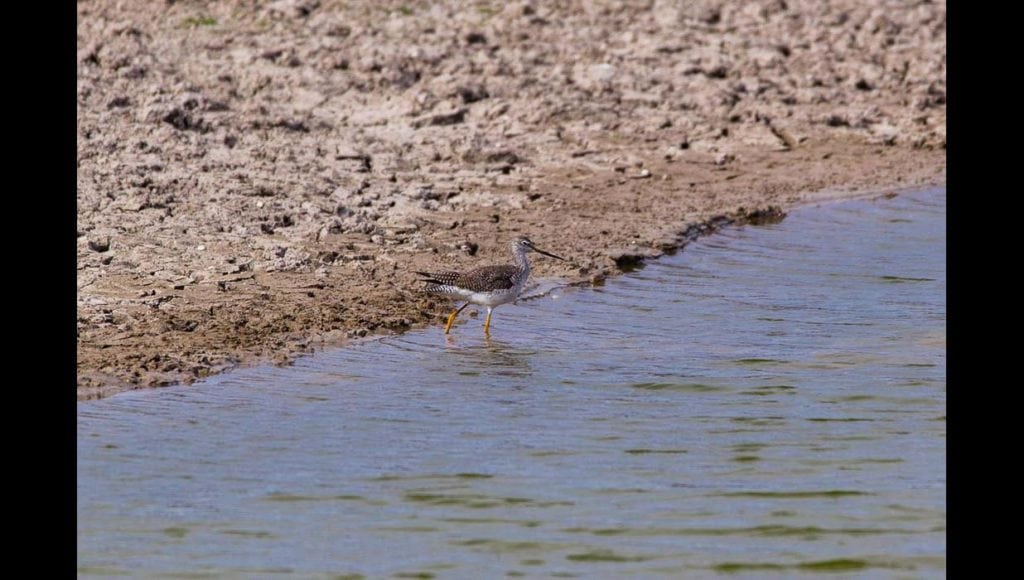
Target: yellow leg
{"type": "Point", "coordinates": [487, 323]}
{"type": "Point", "coordinates": [451, 318]}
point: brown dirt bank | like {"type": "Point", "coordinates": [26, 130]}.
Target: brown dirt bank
{"type": "Point", "coordinates": [256, 179]}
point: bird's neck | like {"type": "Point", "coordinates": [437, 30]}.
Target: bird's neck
{"type": "Point", "coordinates": [521, 262]}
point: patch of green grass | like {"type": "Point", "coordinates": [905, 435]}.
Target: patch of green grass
{"type": "Point", "coordinates": [196, 21]}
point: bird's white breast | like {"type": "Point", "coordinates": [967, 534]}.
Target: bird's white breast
{"type": "Point", "coordinates": [494, 298]}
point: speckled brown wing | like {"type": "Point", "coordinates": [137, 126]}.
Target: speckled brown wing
{"type": "Point", "coordinates": [488, 278]}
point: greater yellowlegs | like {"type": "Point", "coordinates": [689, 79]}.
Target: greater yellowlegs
{"type": "Point", "coordinates": [489, 286]}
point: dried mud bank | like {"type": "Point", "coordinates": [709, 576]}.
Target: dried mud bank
{"type": "Point", "coordinates": [258, 179]}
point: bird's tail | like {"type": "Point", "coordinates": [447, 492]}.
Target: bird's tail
{"type": "Point", "coordinates": [428, 277]}
{"type": "Point", "coordinates": [433, 282]}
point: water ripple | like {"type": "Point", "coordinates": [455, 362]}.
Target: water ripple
{"type": "Point", "coordinates": [770, 399]}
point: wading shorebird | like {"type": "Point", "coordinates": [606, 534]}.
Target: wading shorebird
{"type": "Point", "coordinates": [489, 286]}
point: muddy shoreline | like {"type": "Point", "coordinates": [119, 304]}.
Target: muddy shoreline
{"type": "Point", "coordinates": [260, 180]}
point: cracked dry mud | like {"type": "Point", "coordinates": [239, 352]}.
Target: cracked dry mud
{"type": "Point", "coordinates": [258, 179]}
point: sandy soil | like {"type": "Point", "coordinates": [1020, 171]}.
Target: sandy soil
{"type": "Point", "coordinates": [258, 179]}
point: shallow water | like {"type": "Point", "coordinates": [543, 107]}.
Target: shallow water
{"type": "Point", "coordinates": [769, 401]}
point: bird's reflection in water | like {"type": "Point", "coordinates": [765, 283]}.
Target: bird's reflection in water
{"type": "Point", "coordinates": [486, 355]}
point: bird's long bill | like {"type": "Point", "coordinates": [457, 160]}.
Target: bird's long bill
{"type": "Point", "coordinates": [548, 254]}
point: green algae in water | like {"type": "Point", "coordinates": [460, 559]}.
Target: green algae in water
{"type": "Point", "coordinates": [463, 475]}
{"type": "Point", "coordinates": [681, 387]}
{"type": "Point", "coordinates": [494, 545]}
{"type": "Point", "coordinates": [523, 523]}
{"type": "Point", "coordinates": [901, 279]}
{"type": "Point", "coordinates": [746, 567]}
{"type": "Point", "coordinates": [770, 531]}
{"type": "Point", "coordinates": [655, 451]}
{"type": "Point", "coordinates": [832, 493]}
{"type": "Point", "coordinates": [746, 458]}
{"type": "Point", "coordinates": [742, 447]}
{"type": "Point", "coordinates": [176, 532]}
{"type": "Point", "coordinates": [605, 556]}
{"type": "Point", "coordinates": [475, 500]}
{"type": "Point", "coordinates": [759, 361]}
{"type": "Point", "coordinates": [290, 497]}
{"type": "Point", "coordinates": [760, 421]}
{"type": "Point", "coordinates": [769, 390]}
{"type": "Point", "coordinates": [854, 398]}
{"type": "Point", "coordinates": [620, 490]}
{"type": "Point", "coordinates": [837, 565]}
{"type": "Point", "coordinates": [103, 571]}
{"type": "Point", "coordinates": [248, 533]}
{"type": "Point", "coordinates": [553, 453]}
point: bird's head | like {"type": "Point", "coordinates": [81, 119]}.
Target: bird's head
{"type": "Point", "coordinates": [524, 244]}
